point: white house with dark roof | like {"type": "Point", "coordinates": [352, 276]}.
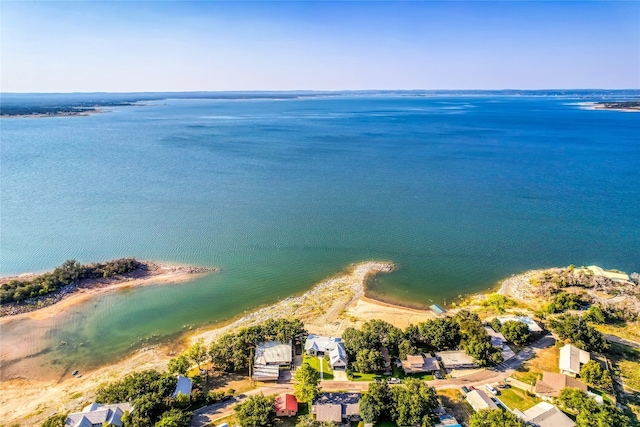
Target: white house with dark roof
{"type": "Point", "coordinates": [572, 359]}
{"type": "Point", "coordinates": [97, 414]}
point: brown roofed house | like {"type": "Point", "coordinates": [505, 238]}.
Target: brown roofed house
{"type": "Point", "coordinates": [552, 384]}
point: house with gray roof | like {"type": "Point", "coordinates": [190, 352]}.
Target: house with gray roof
{"type": "Point", "coordinates": [572, 359]}
{"type": "Point", "coordinates": [337, 407]}
{"type": "Point", "coordinates": [97, 414]}
{"type": "Point", "coordinates": [182, 387]}
{"type": "Point", "coordinates": [270, 355]}
{"type": "Point", "coordinates": [545, 414]}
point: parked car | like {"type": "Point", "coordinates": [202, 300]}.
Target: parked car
{"type": "Point", "coordinates": [393, 380]}
{"type": "Point", "coordinates": [464, 389]}
{"type": "Point", "coordinates": [438, 375]}
{"type": "Point", "coordinates": [491, 389]}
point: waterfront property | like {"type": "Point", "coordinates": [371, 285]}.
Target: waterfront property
{"type": "Point", "coordinates": [98, 414]}
{"type": "Point", "coordinates": [437, 309]}
{"type": "Point", "coordinates": [286, 405]}
{"type": "Point", "coordinates": [497, 339]}
{"type": "Point", "coordinates": [318, 345]}
{"type": "Point", "coordinates": [479, 400]}
{"type": "Point", "coordinates": [337, 407]}
{"type": "Point", "coordinates": [417, 364]}
{"type": "Point", "coordinates": [182, 387]}
{"type": "Point", "coordinates": [269, 357]}
{"type": "Point", "coordinates": [545, 414]}
{"type": "Point", "coordinates": [572, 359]}
{"type": "Point", "coordinates": [456, 359]}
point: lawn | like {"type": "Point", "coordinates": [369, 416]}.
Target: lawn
{"type": "Point", "coordinates": [424, 376]}
{"type": "Point", "coordinates": [625, 330]}
{"type": "Point", "coordinates": [627, 360]}
{"type": "Point", "coordinates": [515, 398]}
{"type": "Point", "coordinates": [327, 372]}
{"type": "Point", "coordinates": [546, 360]}
{"type": "Point", "coordinates": [359, 376]}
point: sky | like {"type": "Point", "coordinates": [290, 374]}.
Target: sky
{"type": "Point", "coordinates": [131, 46]}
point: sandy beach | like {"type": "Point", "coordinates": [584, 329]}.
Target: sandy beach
{"type": "Point", "coordinates": [329, 307]}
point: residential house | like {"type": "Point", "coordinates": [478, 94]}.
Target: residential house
{"type": "Point", "coordinates": [572, 359]}
{"type": "Point", "coordinates": [338, 357]}
{"type": "Point", "coordinates": [552, 384]}
{"type": "Point", "coordinates": [416, 364]}
{"type": "Point", "coordinates": [182, 387]}
{"type": "Point", "coordinates": [317, 345]}
{"type": "Point", "coordinates": [286, 405]}
{"type": "Point", "coordinates": [337, 407]}
{"type": "Point", "coordinates": [270, 355]}
{"type": "Point", "coordinates": [545, 414]}
{"type": "Point", "coordinates": [456, 359]}
{"type": "Point", "coordinates": [97, 414]}
{"type": "Point", "coordinates": [479, 400]}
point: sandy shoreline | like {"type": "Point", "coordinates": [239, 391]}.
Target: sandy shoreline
{"type": "Point", "coordinates": [329, 307]}
{"type": "Point", "coordinates": [152, 273]}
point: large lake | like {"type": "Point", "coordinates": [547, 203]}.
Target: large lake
{"type": "Point", "coordinates": [458, 191]}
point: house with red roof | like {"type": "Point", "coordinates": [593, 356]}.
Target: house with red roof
{"type": "Point", "coordinates": [286, 405]}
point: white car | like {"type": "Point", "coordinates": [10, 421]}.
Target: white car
{"type": "Point", "coordinates": [491, 389]}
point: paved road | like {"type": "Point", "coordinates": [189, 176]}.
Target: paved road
{"type": "Point", "coordinates": [207, 414]}
{"type": "Point", "coordinates": [619, 340]}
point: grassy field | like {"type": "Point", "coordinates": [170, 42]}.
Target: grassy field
{"type": "Point", "coordinates": [626, 330]}
{"type": "Point", "coordinates": [314, 361]}
{"type": "Point", "coordinates": [515, 398]}
{"type": "Point", "coordinates": [627, 360]}
{"type": "Point", "coordinates": [546, 360]}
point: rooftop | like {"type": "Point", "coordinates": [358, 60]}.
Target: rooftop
{"type": "Point", "coordinates": [455, 358]}
{"type": "Point", "coordinates": [571, 358]}
{"type": "Point", "coordinates": [183, 386]}
{"type": "Point", "coordinates": [479, 400]}
{"type": "Point", "coordinates": [547, 415]}
{"type": "Point", "coordinates": [273, 352]}
{"type": "Point", "coordinates": [552, 384]}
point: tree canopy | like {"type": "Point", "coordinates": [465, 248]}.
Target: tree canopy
{"type": "Point", "coordinates": [515, 332]}
{"type": "Point", "coordinates": [256, 411]}
{"type": "Point", "coordinates": [307, 383]}
{"type": "Point", "coordinates": [581, 334]}
{"type": "Point", "coordinates": [495, 418]}
{"type": "Point", "coordinates": [409, 404]}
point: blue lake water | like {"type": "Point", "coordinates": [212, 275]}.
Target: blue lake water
{"type": "Point", "coordinates": [458, 191]}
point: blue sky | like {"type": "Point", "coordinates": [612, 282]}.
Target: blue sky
{"type": "Point", "coordinates": [80, 46]}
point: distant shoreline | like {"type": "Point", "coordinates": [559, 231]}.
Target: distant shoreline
{"type": "Point", "coordinates": [51, 304]}
{"type": "Point", "coordinates": [78, 113]}
{"type": "Point", "coordinates": [626, 106]}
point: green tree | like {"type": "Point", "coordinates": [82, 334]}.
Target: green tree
{"type": "Point", "coordinates": [55, 421]}
{"type": "Point", "coordinates": [179, 365]}
{"type": "Point", "coordinates": [197, 353]}
{"type": "Point", "coordinates": [307, 383]}
{"type": "Point", "coordinates": [495, 418]}
{"type": "Point", "coordinates": [406, 348]}
{"type": "Point", "coordinates": [516, 332]}
{"type": "Point", "coordinates": [174, 418]}
{"type": "Point", "coordinates": [592, 373]}
{"type": "Point", "coordinates": [377, 403]}
{"type": "Point", "coordinates": [415, 403]}
{"type": "Point", "coordinates": [256, 411]}
{"type": "Point", "coordinates": [604, 416]}
{"type": "Point", "coordinates": [354, 341]}
{"type": "Point", "coordinates": [440, 334]}
{"type": "Point", "coordinates": [595, 314]}
{"type": "Point", "coordinates": [369, 360]}
{"type": "Point", "coordinates": [482, 351]}
{"type": "Point", "coordinates": [581, 334]}
{"type": "Point", "coordinates": [496, 325]}
{"type": "Point", "coordinates": [574, 399]}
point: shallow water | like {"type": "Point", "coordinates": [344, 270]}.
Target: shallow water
{"type": "Point", "coordinates": [458, 191]}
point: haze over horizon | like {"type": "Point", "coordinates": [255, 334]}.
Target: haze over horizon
{"type": "Point", "coordinates": [322, 46]}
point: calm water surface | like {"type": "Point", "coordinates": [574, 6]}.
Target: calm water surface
{"type": "Point", "coordinates": [458, 191]}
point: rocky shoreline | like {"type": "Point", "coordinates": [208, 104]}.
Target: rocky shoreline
{"type": "Point", "coordinates": [146, 269]}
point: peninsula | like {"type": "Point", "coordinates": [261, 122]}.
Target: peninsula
{"type": "Point", "coordinates": [73, 282]}
{"type": "Point", "coordinates": [629, 106]}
